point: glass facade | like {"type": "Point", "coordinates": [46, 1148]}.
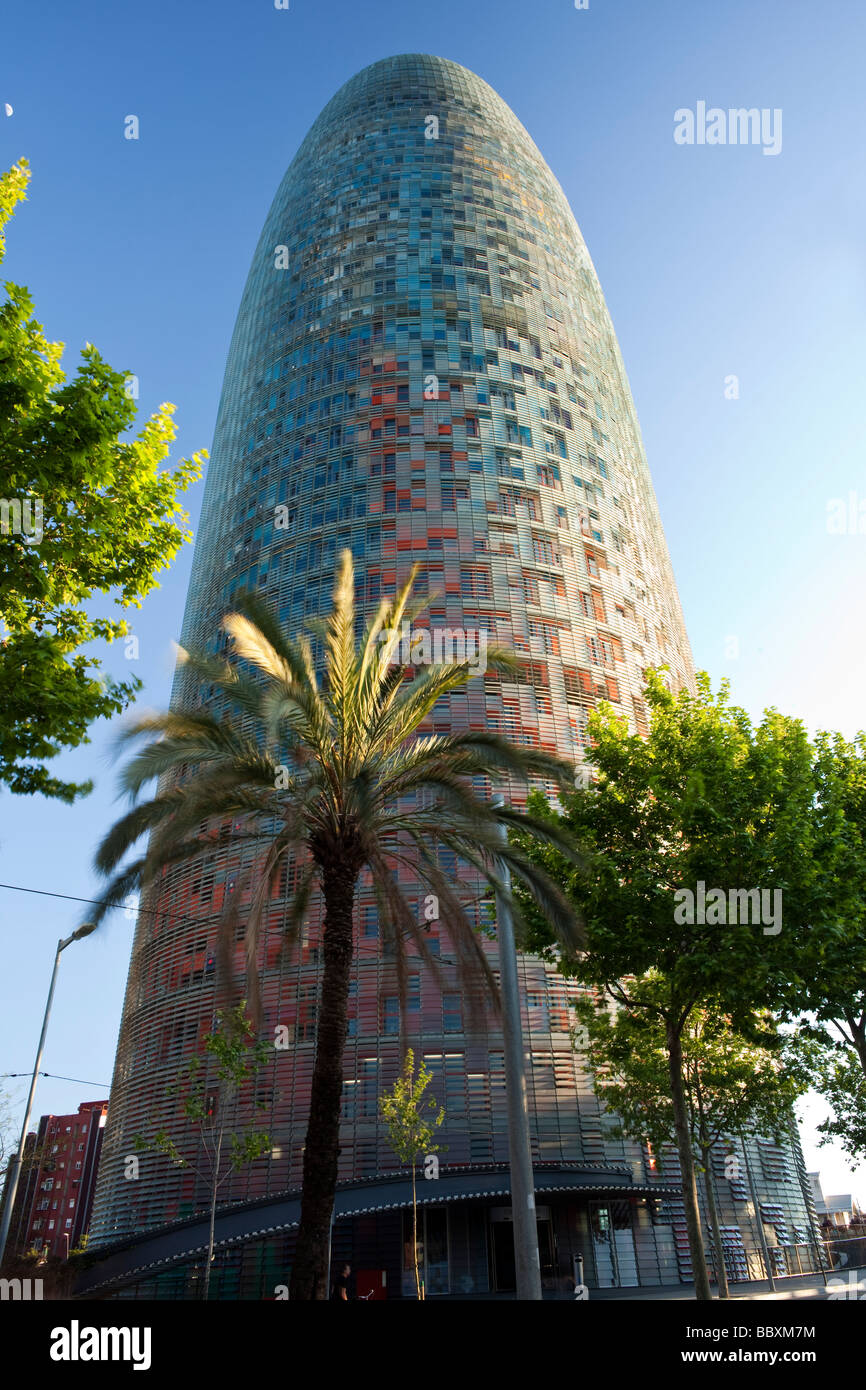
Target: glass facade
{"type": "Point", "coordinates": [423, 370]}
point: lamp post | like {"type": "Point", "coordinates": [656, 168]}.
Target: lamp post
{"type": "Point", "coordinates": [12, 1185]}
{"type": "Point", "coordinates": [526, 1263]}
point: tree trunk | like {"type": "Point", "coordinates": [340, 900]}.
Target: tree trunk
{"type": "Point", "coordinates": [213, 1202]}
{"type": "Point", "coordinates": [415, 1235]}
{"type": "Point", "coordinates": [322, 1147]}
{"type": "Point", "coordinates": [687, 1164]}
{"type": "Point", "coordinates": [712, 1212]}
{"type": "Point", "coordinates": [858, 1036]}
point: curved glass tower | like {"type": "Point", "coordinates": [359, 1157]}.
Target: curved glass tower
{"type": "Point", "coordinates": [424, 370]}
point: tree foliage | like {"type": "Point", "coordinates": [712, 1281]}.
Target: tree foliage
{"type": "Point", "coordinates": [829, 980]}
{"type": "Point", "coordinates": [101, 519]}
{"type": "Point", "coordinates": [732, 1082]}
{"type": "Point", "coordinates": [209, 1088]}
{"type": "Point", "coordinates": [843, 1085]}
{"type": "Point", "coordinates": [705, 802]}
{"type": "Point", "coordinates": [412, 1132]}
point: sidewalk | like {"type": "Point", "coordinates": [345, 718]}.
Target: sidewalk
{"type": "Point", "coordinates": [844, 1285]}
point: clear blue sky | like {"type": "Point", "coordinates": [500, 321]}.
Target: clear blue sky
{"type": "Point", "coordinates": [714, 261]}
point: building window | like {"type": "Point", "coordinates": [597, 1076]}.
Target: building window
{"type": "Point", "coordinates": [549, 474]}
{"type": "Point", "coordinates": [548, 634]}
{"type": "Point", "coordinates": [432, 1251]}
{"type": "Point", "coordinates": [544, 551]}
{"type": "Point", "coordinates": [452, 1013]}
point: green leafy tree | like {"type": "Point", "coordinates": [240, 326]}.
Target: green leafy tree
{"type": "Point", "coordinates": [209, 1089]}
{"type": "Point", "coordinates": [842, 1083]}
{"type": "Point", "coordinates": [411, 1131]}
{"type": "Point", "coordinates": [335, 775]}
{"type": "Point", "coordinates": [705, 802]}
{"type": "Point", "coordinates": [828, 970]}
{"type": "Point", "coordinates": [732, 1082]}
{"type": "Point", "coordinates": [86, 512]}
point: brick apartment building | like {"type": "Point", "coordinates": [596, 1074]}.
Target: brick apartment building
{"type": "Point", "coordinates": [58, 1187]}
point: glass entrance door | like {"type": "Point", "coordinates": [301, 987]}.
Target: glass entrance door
{"type": "Point", "coordinates": [613, 1245]}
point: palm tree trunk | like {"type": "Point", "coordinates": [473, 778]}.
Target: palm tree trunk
{"type": "Point", "coordinates": [713, 1214]}
{"type": "Point", "coordinates": [322, 1147]}
{"type": "Point", "coordinates": [687, 1164]}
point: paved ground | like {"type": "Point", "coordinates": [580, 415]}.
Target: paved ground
{"type": "Point", "coordinates": [844, 1285]}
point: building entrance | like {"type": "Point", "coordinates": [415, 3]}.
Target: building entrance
{"type": "Point", "coordinates": [612, 1226]}
{"type": "Point", "coordinates": [502, 1247]}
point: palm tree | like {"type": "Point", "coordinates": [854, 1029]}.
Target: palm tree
{"type": "Point", "coordinates": [338, 776]}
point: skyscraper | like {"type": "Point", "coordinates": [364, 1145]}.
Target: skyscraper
{"type": "Point", "coordinates": [423, 370]}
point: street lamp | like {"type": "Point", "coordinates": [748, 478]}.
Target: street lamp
{"type": "Point", "coordinates": [526, 1263]}
{"type": "Point", "coordinates": [12, 1185]}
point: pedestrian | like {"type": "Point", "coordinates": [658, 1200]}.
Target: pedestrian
{"type": "Point", "coordinates": [340, 1291]}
